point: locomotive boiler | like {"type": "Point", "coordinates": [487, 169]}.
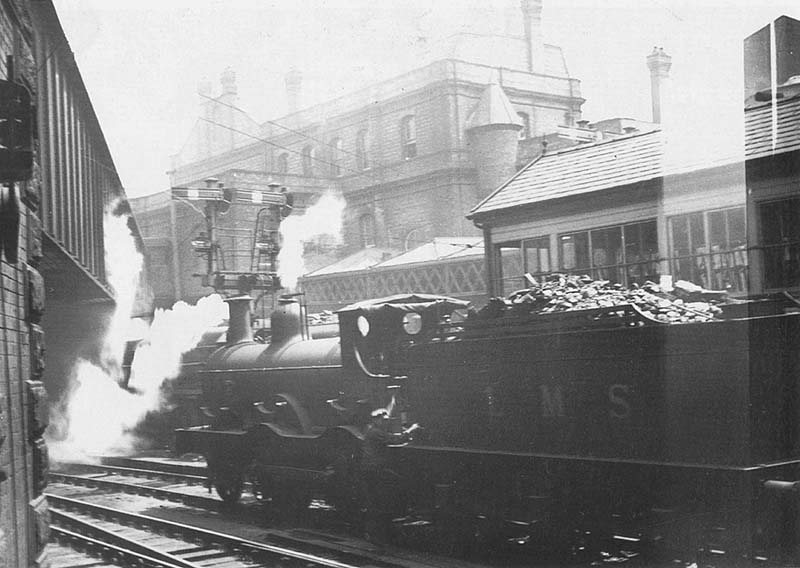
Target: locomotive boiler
{"type": "Point", "coordinates": [607, 418]}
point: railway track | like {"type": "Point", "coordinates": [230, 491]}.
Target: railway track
{"type": "Point", "coordinates": [126, 538]}
{"type": "Point", "coordinates": [104, 531]}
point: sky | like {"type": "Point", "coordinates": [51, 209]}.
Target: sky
{"type": "Point", "coordinates": [142, 60]}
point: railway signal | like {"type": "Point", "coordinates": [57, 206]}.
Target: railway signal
{"type": "Point", "coordinates": [255, 267]}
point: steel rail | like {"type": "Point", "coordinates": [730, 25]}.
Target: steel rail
{"type": "Point", "coordinates": [113, 548]}
{"type": "Point", "coordinates": [193, 534]}
{"type": "Point", "coordinates": [203, 501]}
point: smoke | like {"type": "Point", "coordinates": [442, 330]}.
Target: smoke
{"type": "Point", "coordinates": [97, 415]}
{"type": "Point", "coordinates": [322, 218]}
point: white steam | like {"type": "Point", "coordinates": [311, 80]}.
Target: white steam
{"type": "Point", "coordinates": [322, 218]}
{"type": "Point", "coordinates": [97, 416]}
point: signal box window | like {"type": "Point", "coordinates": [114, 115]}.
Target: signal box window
{"type": "Point", "coordinates": [516, 258]}
{"type": "Point", "coordinates": [709, 248]}
{"type": "Point", "coordinates": [408, 137]}
{"type": "Point", "coordinates": [626, 253]}
{"type": "Point", "coordinates": [780, 240]}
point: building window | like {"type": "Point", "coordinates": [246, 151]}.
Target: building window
{"type": "Point", "coordinates": [626, 254]}
{"type": "Point", "coordinates": [526, 125]}
{"type": "Point", "coordinates": [283, 163]}
{"type": "Point", "coordinates": [780, 241]}
{"type": "Point", "coordinates": [336, 157]}
{"type": "Point", "coordinates": [408, 137]}
{"type": "Point", "coordinates": [516, 259]}
{"type": "Point", "coordinates": [309, 157]}
{"type": "Point", "coordinates": [362, 159]}
{"type": "Point", "coordinates": [366, 227]}
{"type": "Point", "coordinates": [709, 248]}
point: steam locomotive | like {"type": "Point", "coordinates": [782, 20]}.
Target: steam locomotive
{"type": "Point", "coordinates": [606, 418]}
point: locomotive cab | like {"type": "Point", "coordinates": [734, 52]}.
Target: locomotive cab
{"type": "Point", "coordinates": [375, 338]}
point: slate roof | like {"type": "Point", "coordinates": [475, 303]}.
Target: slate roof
{"type": "Point", "coordinates": [640, 157]}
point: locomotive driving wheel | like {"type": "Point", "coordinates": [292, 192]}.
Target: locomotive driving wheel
{"type": "Point", "coordinates": [227, 478]}
{"type": "Point", "coordinates": [229, 489]}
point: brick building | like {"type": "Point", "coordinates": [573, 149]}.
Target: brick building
{"type": "Point", "coordinates": [51, 228]}
{"type": "Point", "coordinates": [397, 151]}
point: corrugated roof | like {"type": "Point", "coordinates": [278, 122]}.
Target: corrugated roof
{"type": "Point", "coordinates": [637, 158]}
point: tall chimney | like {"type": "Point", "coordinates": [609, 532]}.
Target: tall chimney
{"type": "Point", "coordinates": [534, 43]}
{"type": "Point", "coordinates": [240, 329]}
{"type": "Point", "coordinates": [659, 63]}
{"type": "Point", "coordinates": [228, 80]}
{"type": "Point", "coordinates": [294, 82]}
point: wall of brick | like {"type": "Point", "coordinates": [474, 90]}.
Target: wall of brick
{"type": "Point", "coordinates": [23, 510]}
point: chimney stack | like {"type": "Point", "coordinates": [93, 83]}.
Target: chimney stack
{"type": "Point", "coordinates": [294, 82]}
{"type": "Point", "coordinates": [240, 329]}
{"type": "Point", "coordinates": [659, 64]}
{"type": "Point", "coordinates": [228, 80]}
{"type": "Point", "coordinates": [534, 43]}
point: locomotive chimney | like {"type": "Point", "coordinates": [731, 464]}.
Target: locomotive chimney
{"type": "Point", "coordinates": [240, 329]}
{"type": "Point", "coordinates": [286, 322]}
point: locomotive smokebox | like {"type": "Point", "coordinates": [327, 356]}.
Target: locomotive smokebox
{"type": "Point", "coordinates": [286, 321]}
{"type": "Point", "coordinates": [240, 329]}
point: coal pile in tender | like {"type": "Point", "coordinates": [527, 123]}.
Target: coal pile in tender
{"type": "Point", "coordinates": [684, 302]}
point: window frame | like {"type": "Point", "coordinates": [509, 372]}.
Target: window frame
{"type": "Point", "coordinates": [309, 154]}
{"type": "Point", "coordinates": [362, 156]}
{"type": "Point", "coordinates": [788, 248]}
{"type": "Point", "coordinates": [408, 137]}
{"type": "Point", "coordinates": [282, 163]}
{"type": "Point", "coordinates": [707, 267]}
{"type": "Point", "coordinates": [621, 269]}
{"type": "Point", "coordinates": [525, 132]}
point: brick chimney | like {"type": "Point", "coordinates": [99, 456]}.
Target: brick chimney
{"type": "Point", "coordinates": [294, 83]}
{"type": "Point", "coordinates": [534, 44]}
{"type": "Point", "coordinates": [659, 64]}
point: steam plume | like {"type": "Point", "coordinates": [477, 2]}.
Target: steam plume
{"type": "Point", "coordinates": [97, 415]}
{"type": "Point", "coordinates": [322, 218]}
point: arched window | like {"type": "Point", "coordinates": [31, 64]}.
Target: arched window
{"type": "Point", "coordinates": [309, 157]}
{"type": "Point", "coordinates": [283, 163]}
{"type": "Point", "coordinates": [336, 157]}
{"type": "Point", "coordinates": [366, 229]}
{"type": "Point", "coordinates": [525, 119]}
{"type": "Point", "coordinates": [362, 159]}
{"type": "Point", "coordinates": [408, 137]}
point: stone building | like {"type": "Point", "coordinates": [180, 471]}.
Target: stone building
{"type": "Point", "coordinates": [53, 281]}
{"type": "Point", "coordinates": [398, 151]}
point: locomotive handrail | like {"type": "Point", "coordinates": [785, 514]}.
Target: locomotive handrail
{"type": "Point", "coordinates": [363, 367]}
